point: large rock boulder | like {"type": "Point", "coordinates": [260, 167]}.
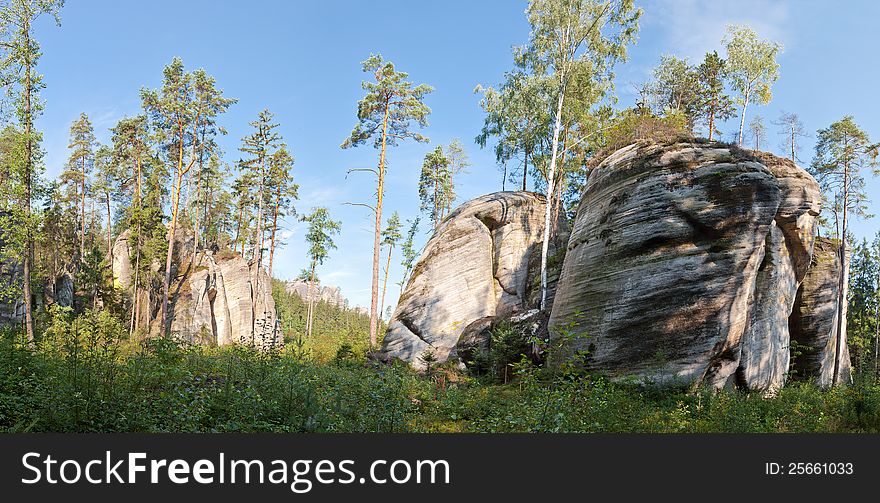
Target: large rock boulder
{"type": "Point", "coordinates": [226, 301]}
{"type": "Point", "coordinates": [480, 263]}
{"type": "Point", "coordinates": [683, 264]}
{"type": "Point", "coordinates": [813, 322]}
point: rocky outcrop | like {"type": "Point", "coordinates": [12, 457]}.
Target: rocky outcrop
{"type": "Point", "coordinates": [332, 295]}
{"type": "Point", "coordinates": [479, 263]}
{"type": "Point", "coordinates": [224, 302]}
{"type": "Point", "coordinates": [123, 272]}
{"type": "Point", "coordinates": [813, 322]}
{"type": "Point", "coordinates": [764, 351]}
{"type": "Point", "coordinates": [11, 303]}
{"type": "Point", "coordinates": [683, 264]}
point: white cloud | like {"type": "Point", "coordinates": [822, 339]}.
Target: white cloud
{"type": "Point", "coordinates": [695, 26]}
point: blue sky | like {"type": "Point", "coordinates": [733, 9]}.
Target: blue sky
{"type": "Point", "coordinates": [301, 59]}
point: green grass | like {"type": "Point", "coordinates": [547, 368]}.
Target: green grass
{"type": "Point", "coordinates": [85, 376]}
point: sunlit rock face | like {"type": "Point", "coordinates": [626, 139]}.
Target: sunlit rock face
{"type": "Point", "coordinates": [683, 265]}
{"type": "Point", "coordinates": [226, 301]}
{"type": "Point", "coordinates": [482, 262]}
{"type": "Point", "coordinates": [813, 322]}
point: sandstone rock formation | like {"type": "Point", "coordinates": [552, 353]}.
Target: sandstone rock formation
{"type": "Point", "coordinates": [218, 300]}
{"type": "Point", "coordinates": [332, 295]}
{"type": "Point", "coordinates": [813, 322]}
{"type": "Point", "coordinates": [479, 263]}
{"type": "Point", "coordinates": [683, 264]}
{"type": "Point", "coordinates": [226, 301]}
{"type": "Point", "coordinates": [123, 272]}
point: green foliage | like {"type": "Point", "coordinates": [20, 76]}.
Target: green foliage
{"type": "Point", "coordinates": [85, 375]}
{"type": "Point", "coordinates": [391, 104]}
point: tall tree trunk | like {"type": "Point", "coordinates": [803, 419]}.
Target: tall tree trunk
{"type": "Point", "coordinates": [374, 288]}
{"type": "Point", "coordinates": [841, 280]}
{"type": "Point", "coordinates": [310, 301]}
{"type": "Point", "coordinates": [82, 235]}
{"type": "Point", "coordinates": [742, 120]}
{"type": "Point", "coordinates": [712, 117]}
{"type": "Point", "coordinates": [166, 282]}
{"type": "Point", "coordinates": [137, 258]}
{"type": "Point", "coordinates": [525, 168]}
{"type": "Point", "coordinates": [792, 144]}
{"type": "Point", "coordinates": [238, 228]}
{"type": "Point", "coordinates": [197, 212]}
{"type": "Point", "coordinates": [876, 324]}
{"type": "Point", "coordinates": [258, 253]}
{"type": "Point", "coordinates": [504, 176]}
{"type": "Point", "coordinates": [28, 173]}
{"type": "Point", "coordinates": [109, 236]}
{"type": "Point", "coordinates": [550, 174]}
{"type": "Point", "coordinates": [274, 230]}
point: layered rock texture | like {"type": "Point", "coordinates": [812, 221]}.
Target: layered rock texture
{"type": "Point", "coordinates": [224, 302]}
{"type": "Point", "coordinates": [332, 295]}
{"type": "Point", "coordinates": [218, 299]}
{"type": "Point", "coordinates": [481, 263]}
{"type": "Point", "coordinates": [813, 322]}
{"type": "Point", "coordinates": [684, 263]}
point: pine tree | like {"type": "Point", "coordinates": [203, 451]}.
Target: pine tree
{"type": "Point", "coordinates": [320, 240]}
{"type": "Point", "coordinates": [843, 152]}
{"type": "Point", "coordinates": [283, 192]}
{"type": "Point", "coordinates": [79, 167]}
{"type": "Point", "coordinates": [385, 115]}
{"type": "Point", "coordinates": [260, 145]}
{"type": "Point", "coordinates": [131, 151]}
{"type": "Point", "coordinates": [178, 111]}
{"type": "Point", "coordinates": [714, 103]}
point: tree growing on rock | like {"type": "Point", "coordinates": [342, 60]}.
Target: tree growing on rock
{"type": "Point", "coordinates": [386, 115]}
{"type": "Point", "coordinates": [752, 68]}
{"type": "Point", "coordinates": [843, 153]}
{"type": "Point", "coordinates": [260, 145]}
{"type": "Point", "coordinates": [792, 129]}
{"type": "Point", "coordinates": [757, 131]}
{"type": "Point", "coordinates": [320, 240]}
{"type": "Point", "coordinates": [714, 103]}
{"type": "Point", "coordinates": [185, 103]}
{"type": "Point", "coordinates": [575, 38]}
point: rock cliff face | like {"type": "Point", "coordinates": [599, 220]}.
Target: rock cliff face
{"type": "Point", "coordinates": [480, 263]}
{"type": "Point", "coordinates": [683, 265]}
{"type": "Point", "coordinates": [813, 322]}
{"type": "Point", "coordinates": [220, 301]}
{"type": "Point", "coordinates": [330, 294]}
{"type": "Point", "coordinates": [224, 302]}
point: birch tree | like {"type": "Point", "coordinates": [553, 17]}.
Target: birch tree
{"type": "Point", "coordinates": [752, 68]}
{"type": "Point", "coordinates": [575, 37]}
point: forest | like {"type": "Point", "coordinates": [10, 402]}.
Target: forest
{"type": "Point", "coordinates": [86, 348]}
